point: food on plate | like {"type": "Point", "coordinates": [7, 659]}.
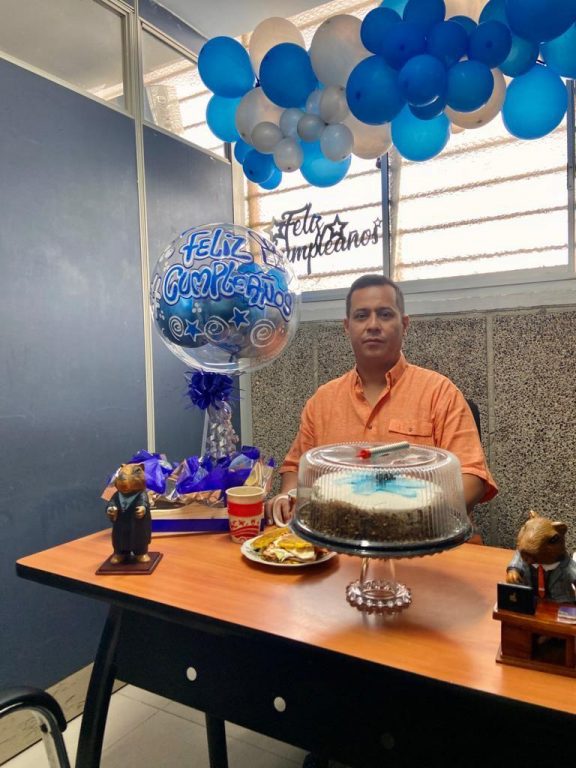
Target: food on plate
{"type": "Point", "coordinates": [280, 545]}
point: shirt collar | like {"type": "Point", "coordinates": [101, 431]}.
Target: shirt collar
{"type": "Point", "coordinates": [392, 376]}
{"type": "Point", "coordinates": [550, 567]}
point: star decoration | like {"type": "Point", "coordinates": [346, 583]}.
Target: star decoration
{"type": "Point", "coordinates": [240, 317]}
{"type": "Point", "coordinates": [338, 227]}
{"type": "Point", "coordinates": [192, 329]}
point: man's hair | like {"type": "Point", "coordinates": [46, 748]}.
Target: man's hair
{"type": "Point", "coordinates": [367, 281]}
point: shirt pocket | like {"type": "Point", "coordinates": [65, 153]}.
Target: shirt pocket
{"type": "Point", "coordinates": [412, 430]}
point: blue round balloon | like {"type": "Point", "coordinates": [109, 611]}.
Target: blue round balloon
{"type": "Point", "coordinates": [522, 57]}
{"type": "Point", "coordinates": [257, 166]}
{"type": "Point", "coordinates": [470, 85]}
{"type": "Point", "coordinates": [431, 110]}
{"type": "Point", "coordinates": [422, 80]}
{"type": "Point", "coordinates": [224, 299]}
{"type": "Point", "coordinates": [318, 170]}
{"type": "Point", "coordinates": [494, 10]}
{"type": "Point", "coordinates": [560, 54]}
{"type": "Point", "coordinates": [448, 42]}
{"type": "Point", "coordinates": [225, 68]}
{"type": "Point", "coordinates": [427, 12]}
{"type": "Point", "coordinates": [373, 26]}
{"type": "Point", "coordinates": [274, 181]}
{"type": "Point", "coordinates": [402, 41]}
{"type": "Point", "coordinates": [220, 116]}
{"type": "Point", "coordinates": [419, 140]}
{"type": "Point", "coordinates": [490, 43]}
{"type": "Point", "coordinates": [540, 20]}
{"type": "Point", "coordinates": [535, 103]}
{"type": "Point", "coordinates": [373, 92]}
{"type": "Point", "coordinates": [466, 22]}
{"type": "Point", "coordinates": [241, 149]}
{"type": "Point", "coordinates": [395, 5]}
{"type": "Point", "coordinates": [286, 75]}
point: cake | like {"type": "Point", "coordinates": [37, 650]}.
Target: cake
{"type": "Point", "coordinates": [371, 506]}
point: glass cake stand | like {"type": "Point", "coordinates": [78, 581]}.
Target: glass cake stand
{"type": "Point", "coordinates": [377, 590]}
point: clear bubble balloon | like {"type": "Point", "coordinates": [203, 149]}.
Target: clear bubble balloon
{"type": "Point", "coordinates": [486, 113]}
{"type": "Point", "coordinates": [224, 66]}
{"type": "Point", "coordinates": [333, 104]}
{"type": "Point", "coordinates": [271, 32]}
{"type": "Point", "coordinates": [336, 48]}
{"type": "Point", "coordinates": [221, 118]}
{"type": "Point", "coordinates": [265, 136]}
{"type": "Point", "coordinates": [470, 85]}
{"type": "Point", "coordinates": [286, 75]}
{"type": "Point", "coordinates": [318, 170]}
{"type": "Point", "coordinates": [560, 53]}
{"type": "Point", "coordinates": [540, 20]}
{"type": "Point", "coordinates": [310, 127]}
{"type": "Point", "coordinates": [370, 141]}
{"type": "Point", "coordinates": [535, 103]}
{"type": "Point", "coordinates": [373, 92]}
{"type": "Point", "coordinates": [336, 142]}
{"type": "Point", "coordinates": [288, 155]}
{"type": "Point", "coordinates": [255, 107]}
{"type": "Point", "coordinates": [224, 299]}
{"type": "Point", "coordinates": [419, 140]}
{"type": "Point", "coordinates": [289, 122]}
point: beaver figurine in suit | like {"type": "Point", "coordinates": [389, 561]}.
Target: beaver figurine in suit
{"type": "Point", "coordinates": [542, 542]}
{"type": "Point", "coordinates": [129, 510]}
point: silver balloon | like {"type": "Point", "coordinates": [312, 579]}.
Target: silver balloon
{"type": "Point", "coordinates": [289, 122]}
{"type": "Point", "coordinates": [265, 136]}
{"type": "Point", "coordinates": [255, 107]}
{"type": "Point", "coordinates": [336, 48]}
{"type": "Point", "coordinates": [336, 142]}
{"type": "Point", "coordinates": [333, 105]}
{"type": "Point", "coordinates": [269, 33]}
{"type": "Point", "coordinates": [370, 141]}
{"type": "Point", "coordinates": [288, 155]}
{"type": "Point", "coordinates": [310, 127]}
{"type": "Point", "coordinates": [313, 102]}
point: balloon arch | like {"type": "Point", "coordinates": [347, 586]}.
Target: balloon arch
{"type": "Point", "coordinates": [403, 76]}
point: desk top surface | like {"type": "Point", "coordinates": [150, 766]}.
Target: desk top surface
{"type": "Point", "coordinates": [448, 632]}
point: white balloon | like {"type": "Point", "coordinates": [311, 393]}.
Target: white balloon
{"type": "Point", "coordinates": [456, 128]}
{"type": "Point", "coordinates": [470, 8]}
{"type": "Point", "coordinates": [269, 33]}
{"type": "Point", "coordinates": [310, 127]}
{"type": "Point", "coordinates": [265, 136]}
{"type": "Point", "coordinates": [255, 108]}
{"type": "Point", "coordinates": [289, 122]}
{"type": "Point", "coordinates": [336, 142]}
{"type": "Point", "coordinates": [313, 102]}
{"type": "Point", "coordinates": [336, 48]}
{"type": "Point", "coordinates": [333, 105]}
{"type": "Point", "coordinates": [486, 112]}
{"type": "Point", "coordinates": [370, 141]}
{"type": "Point", "coordinates": [288, 155]}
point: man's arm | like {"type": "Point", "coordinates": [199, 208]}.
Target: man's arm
{"type": "Point", "coordinates": [474, 490]}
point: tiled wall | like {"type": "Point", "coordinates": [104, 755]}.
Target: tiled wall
{"type": "Point", "coordinates": [519, 367]}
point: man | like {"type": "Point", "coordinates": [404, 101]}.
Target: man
{"type": "Point", "coordinates": [385, 399]}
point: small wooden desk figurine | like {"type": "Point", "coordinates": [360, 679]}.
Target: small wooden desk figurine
{"type": "Point", "coordinates": [129, 510]}
{"type": "Point", "coordinates": [538, 640]}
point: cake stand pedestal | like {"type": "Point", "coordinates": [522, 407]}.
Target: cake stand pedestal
{"type": "Point", "coordinates": [377, 591]}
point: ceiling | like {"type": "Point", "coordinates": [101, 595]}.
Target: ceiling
{"type": "Point", "coordinates": [233, 17]}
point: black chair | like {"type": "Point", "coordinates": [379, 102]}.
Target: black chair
{"type": "Point", "coordinates": [49, 715]}
{"type": "Point", "coordinates": [476, 413]}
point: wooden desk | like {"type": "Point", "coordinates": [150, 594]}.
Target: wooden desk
{"type": "Point", "coordinates": [281, 652]}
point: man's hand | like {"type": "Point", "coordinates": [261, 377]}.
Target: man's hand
{"type": "Point", "coordinates": [283, 508]}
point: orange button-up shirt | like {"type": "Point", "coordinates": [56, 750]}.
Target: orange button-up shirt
{"type": "Point", "coordinates": [417, 405]}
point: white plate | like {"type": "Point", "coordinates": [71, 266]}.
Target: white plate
{"type": "Point", "coordinates": [251, 554]}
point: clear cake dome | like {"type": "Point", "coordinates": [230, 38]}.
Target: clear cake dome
{"type": "Point", "coordinates": [398, 500]}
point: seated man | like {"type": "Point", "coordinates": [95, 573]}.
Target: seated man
{"type": "Point", "coordinates": [385, 399]}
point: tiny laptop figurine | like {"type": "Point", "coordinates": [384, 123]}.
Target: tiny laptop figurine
{"type": "Point", "coordinates": [542, 562]}
{"type": "Point", "coordinates": [129, 511]}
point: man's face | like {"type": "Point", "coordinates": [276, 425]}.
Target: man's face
{"type": "Point", "coordinates": [375, 327]}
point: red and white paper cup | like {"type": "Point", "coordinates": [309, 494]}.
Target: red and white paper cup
{"type": "Point", "coordinates": [245, 511]}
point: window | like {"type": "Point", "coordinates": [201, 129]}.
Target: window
{"type": "Point", "coordinates": [175, 97]}
{"type": "Point", "coordinates": [78, 41]}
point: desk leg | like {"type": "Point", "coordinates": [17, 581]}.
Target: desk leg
{"type": "Point", "coordinates": [216, 733]}
{"type": "Point", "coordinates": [99, 692]}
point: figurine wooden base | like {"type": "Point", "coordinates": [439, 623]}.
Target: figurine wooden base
{"type": "Point", "coordinates": [131, 567]}
{"type": "Point", "coordinates": [537, 641]}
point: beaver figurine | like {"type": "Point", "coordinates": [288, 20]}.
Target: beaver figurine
{"type": "Point", "coordinates": [543, 542]}
{"type": "Point", "coordinates": [129, 510]}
